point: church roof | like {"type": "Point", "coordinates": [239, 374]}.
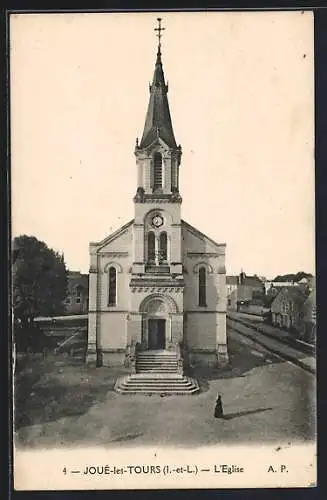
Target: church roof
{"type": "Point", "coordinates": [158, 121]}
{"type": "Point", "coordinates": [112, 236]}
{"type": "Point", "coordinates": [198, 233]}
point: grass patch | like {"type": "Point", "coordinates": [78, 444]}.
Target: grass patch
{"type": "Point", "coordinates": [47, 390]}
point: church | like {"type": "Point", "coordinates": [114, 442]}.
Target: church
{"type": "Point", "coordinates": [157, 285]}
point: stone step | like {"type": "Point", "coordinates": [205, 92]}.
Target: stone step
{"type": "Point", "coordinates": [161, 356]}
{"type": "Point", "coordinates": [164, 352]}
{"type": "Point", "coordinates": [145, 392]}
{"type": "Point", "coordinates": [154, 376]}
{"type": "Point", "coordinates": [156, 354]}
{"type": "Point", "coordinates": [160, 362]}
{"type": "Point", "coordinates": [152, 365]}
{"type": "Point", "coordinates": [157, 358]}
{"type": "Point", "coordinates": [166, 363]}
{"type": "Point", "coordinates": [156, 385]}
{"type": "Point", "coordinates": [157, 370]}
{"type": "Point", "coordinates": [159, 365]}
{"type": "Point", "coordinates": [139, 384]}
{"type": "Point", "coordinates": [156, 362]}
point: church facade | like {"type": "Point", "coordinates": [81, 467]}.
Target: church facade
{"type": "Point", "coordinates": [157, 283]}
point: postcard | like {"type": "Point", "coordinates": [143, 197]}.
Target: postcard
{"type": "Point", "coordinates": [163, 224]}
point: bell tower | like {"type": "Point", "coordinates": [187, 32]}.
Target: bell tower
{"type": "Point", "coordinates": [157, 222]}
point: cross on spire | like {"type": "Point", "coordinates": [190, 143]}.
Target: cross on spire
{"type": "Point", "coordinates": [159, 30]}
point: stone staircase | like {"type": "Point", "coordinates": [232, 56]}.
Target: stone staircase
{"type": "Point", "coordinates": [156, 362]}
{"type": "Point", "coordinates": [157, 372]}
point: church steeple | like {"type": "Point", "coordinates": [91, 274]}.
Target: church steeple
{"type": "Point", "coordinates": [157, 154]}
{"type": "Point", "coordinates": [158, 121]}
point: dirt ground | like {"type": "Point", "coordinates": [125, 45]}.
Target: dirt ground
{"type": "Point", "coordinates": [61, 402]}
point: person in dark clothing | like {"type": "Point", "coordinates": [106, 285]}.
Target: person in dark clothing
{"type": "Point", "coordinates": [219, 412]}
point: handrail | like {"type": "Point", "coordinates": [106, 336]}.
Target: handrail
{"type": "Point", "coordinates": [131, 353]}
{"type": "Point", "coordinates": [179, 358]}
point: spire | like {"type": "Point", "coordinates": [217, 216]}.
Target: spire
{"type": "Point", "coordinates": [158, 120]}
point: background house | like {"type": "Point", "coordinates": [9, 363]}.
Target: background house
{"type": "Point", "coordinates": [309, 327]}
{"type": "Point", "coordinates": [301, 279]}
{"type": "Point", "coordinates": [77, 297]}
{"type": "Point", "coordinates": [231, 291]}
{"type": "Point", "coordinates": [287, 308]}
{"type": "Point", "coordinates": [277, 285]}
{"type": "Point", "coordinates": [244, 290]}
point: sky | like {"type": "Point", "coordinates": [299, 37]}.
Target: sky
{"type": "Point", "coordinates": [241, 95]}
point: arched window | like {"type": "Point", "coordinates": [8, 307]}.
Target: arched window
{"type": "Point", "coordinates": [151, 247]}
{"type": "Point", "coordinates": [112, 298]}
{"type": "Point", "coordinates": [157, 171]}
{"type": "Point", "coordinates": [202, 286]}
{"type": "Point", "coordinates": [163, 247]}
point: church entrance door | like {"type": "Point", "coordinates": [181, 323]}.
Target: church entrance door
{"type": "Point", "coordinates": [157, 328]}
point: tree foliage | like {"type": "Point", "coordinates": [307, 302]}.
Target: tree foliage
{"type": "Point", "coordinates": [39, 279]}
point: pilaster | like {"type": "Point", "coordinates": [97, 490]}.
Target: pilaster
{"type": "Point", "coordinates": [221, 339]}
{"type": "Point", "coordinates": [91, 356]}
{"type": "Point", "coordinates": [176, 328]}
{"type": "Point", "coordinates": [222, 355]}
{"type": "Point", "coordinates": [134, 328]}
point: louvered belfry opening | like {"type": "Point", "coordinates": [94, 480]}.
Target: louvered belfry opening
{"type": "Point", "coordinates": [157, 171]}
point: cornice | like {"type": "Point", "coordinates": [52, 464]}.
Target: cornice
{"type": "Point", "coordinates": [195, 255]}
{"type": "Point", "coordinates": [113, 254]}
{"type": "Point", "coordinates": [108, 311]}
{"type": "Point", "coordinates": [150, 199]}
{"type": "Point", "coordinates": [118, 350]}
{"type": "Point", "coordinates": [97, 246]}
{"type": "Point", "coordinates": [156, 289]}
{"type": "Point", "coordinates": [206, 311]}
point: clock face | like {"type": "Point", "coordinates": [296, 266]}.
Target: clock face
{"type": "Point", "coordinates": [157, 221]}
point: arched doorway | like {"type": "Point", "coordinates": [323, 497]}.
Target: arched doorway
{"type": "Point", "coordinates": [156, 333]}
{"type": "Point", "coordinates": [156, 321]}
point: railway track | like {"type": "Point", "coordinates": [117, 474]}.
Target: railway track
{"type": "Point", "coordinates": [287, 339]}
{"type": "Point", "coordinates": [280, 349]}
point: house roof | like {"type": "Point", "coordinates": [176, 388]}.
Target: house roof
{"type": "Point", "coordinates": [303, 280]}
{"type": "Point", "coordinates": [252, 281]}
{"type": "Point", "coordinates": [231, 280]}
{"type": "Point", "coordinates": [77, 279]}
